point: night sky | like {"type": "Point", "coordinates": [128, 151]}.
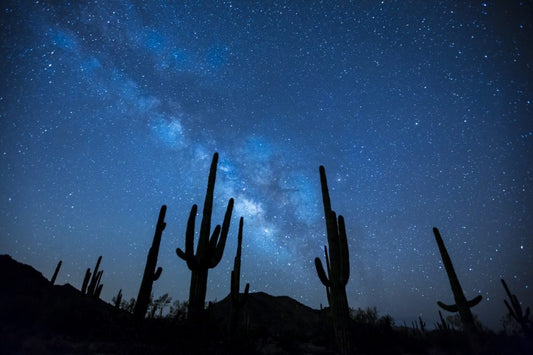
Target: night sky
{"type": "Point", "coordinates": [420, 111]}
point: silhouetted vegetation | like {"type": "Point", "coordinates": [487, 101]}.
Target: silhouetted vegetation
{"type": "Point", "coordinates": [54, 277]}
{"type": "Point", "coordinates": [40, 317]}
{"type": "Point", "coordinates": [516, 313]}
{"type": "Point", "coordinates": [237, 299]}
{"type": "Point", "coordinates": [337, 267]}
{"type": "Point", "coordinates": [461, 304]}
{"type": "Point", "coordinates": [94, 287]}
{"type": "Point", "coordinates": [209, 250]}
{"type": "Point", "coordinates": [150, 273]}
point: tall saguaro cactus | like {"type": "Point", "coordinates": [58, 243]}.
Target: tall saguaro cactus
{"type": "Point", "coordinates": [338, 269]}
{"type": "Point", "coordinates": [150, 272]}
{"type": "Point", "coordinates": [209, 250]}
{"type": "Point", "coordinates": [461, 304]}
{"type": "Point", "coordinates": [237, 300]}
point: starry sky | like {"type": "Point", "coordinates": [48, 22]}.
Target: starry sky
{"type": "Point", "coordinates": [421, 113]}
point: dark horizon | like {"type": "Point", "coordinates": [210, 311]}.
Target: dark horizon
{"type": "Point", "coordinates": [420, 113]}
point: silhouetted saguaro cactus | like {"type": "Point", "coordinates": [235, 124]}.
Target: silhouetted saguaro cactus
{"type": "Point", "coordinates": [94, 287]}
{"type": "Point", "coordinates": [209, 251]}
{"type": "Point", "coordinates": [461, 304]}
{"type": "Point", "coordinates": [338, 269]}
{"type": "Point", "coordinates": [117, 300]}
{"type": "Point", "coordinates": [53, 280]}
{"type": "Point", "coordinates": [237, 299]}
{"type": "Point", "coordinates": [86, 279]}
{"type": "Point", "coordinates": [442, 325]}
{"type": "Point", "coordinates": [515, 310]}
{"type": "Point", "coordinates": [150, 273]}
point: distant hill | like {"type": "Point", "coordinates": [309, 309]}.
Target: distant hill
{"type": "Point", "coordinates": [37, 317]}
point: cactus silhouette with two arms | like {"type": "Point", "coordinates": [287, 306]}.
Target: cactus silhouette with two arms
{"type": "Point", "coordinates": [461, 304]}
{"type": "Point", "coordinates": [209, 250]}
{"type": "Point", "coordinates": [337, 267]}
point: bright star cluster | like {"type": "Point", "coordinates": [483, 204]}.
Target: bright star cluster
{"type": "Point", "coordinates": [420, 112]}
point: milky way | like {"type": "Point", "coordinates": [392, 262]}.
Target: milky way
{"type": "Point", "coordinates": [420, 112]}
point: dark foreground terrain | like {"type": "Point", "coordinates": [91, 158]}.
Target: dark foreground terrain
{"type": "Point", "coordinates": [37, 317]}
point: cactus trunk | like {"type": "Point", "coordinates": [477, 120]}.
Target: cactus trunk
{"type": "Point", "coordinates": [461, 304]}
{"type": "Point", "coordinates": [197, 293]}
{"type": "Point", "coordinates": [150, 272]}
{"type": "Point", "coordinates": [209, 250]}
{"type": "Point", "coordinates": [338, 270]}
{"type": "Point", "coordinates": [53, 280]}
{"type": "Point", "coordinates": [237, 300]}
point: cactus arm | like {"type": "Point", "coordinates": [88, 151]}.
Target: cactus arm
{"type": "Point", "coordinates": [321, 273]}
{"type": "Point", "coordinates": [224, 231]}
{"type": "Point", "coordinates": [98, 290]}
{"type": "Point", "coordinates": [214, 238]}
{"type": "Point", "coordinates": [328, 268]}
{"type": "Point", "coordinates": [86, 281]}
{"type": "Point", "coordinates": [188, 254]}
{"type": "Point", "coordinates": [344, 253]}
{"type": "Point", "coordinates": [450, 308]}
{"type": "Point", "coordinates": [473, 302]}
{"type": "Point", "coordinates": [157, 273]}
{"type": "Point", "coordinates": [205, 227]}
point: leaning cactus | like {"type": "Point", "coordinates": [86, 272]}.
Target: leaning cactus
{"type": "Point", "coordinates": [53, 280]}
{"type": "Point", "coordinates": [515, 310]}
{"type": "Point", "coordinates": [150, 273]}
{"type": "Point", "coordinates": [209, 251]}
{"type": "Point", "coordinates": [237, 299]}
{"type": "Point", "coordinates": [338, 269]}
{"type": "Point", "coordinates": [461, 304]}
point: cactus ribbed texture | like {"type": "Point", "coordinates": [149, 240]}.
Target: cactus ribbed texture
{"type": "Point", "coordinates": [53, 280]}
{"type": "Point", "coordinates": [237, 300]}
{"type": "Point", "coordinates": [150, 273]}
{"type": "Point", "coordinates": [209, 251]}
{"type": "Point", "coordinates": [338, 269]}
{"type": "Point", "coordinates": [461, 304]}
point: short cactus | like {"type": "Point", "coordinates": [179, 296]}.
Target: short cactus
{"type": "Point", "coordinates": [53, 280]}
{"type": "Point", "coordinates": [117, 300]}
{"type": "Point", "coordinates": [237, 299]}
{"type": "Point", "coordinates": [209, 250]}
{"type": "Point", "coordinates": [515, 310]}
{"type": "Point", "coordinates": [94, 287]}
{"type": "Point", "coordinates": [150, 273]}
{"type": "Point", "coordinates": [461, 304]}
